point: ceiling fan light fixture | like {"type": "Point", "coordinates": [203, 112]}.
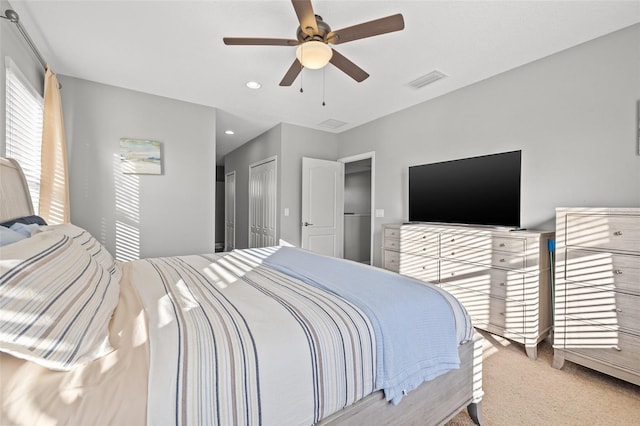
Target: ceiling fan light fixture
{"type": "Point", "coordinates": [314, 54]}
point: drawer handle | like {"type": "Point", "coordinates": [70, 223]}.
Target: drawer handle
{"type": "Point", "coordinates": [453, 240]}
{"type": "Point", "coordinates": [502, 244]}
{"type": "Point", "coordinates": [618, 310]}
{"type": "Point", "coordinates": [502, 313]}
{"type": "Point", "coordinates": [502, 284]}
{"type": "Point", "coordinates": [424, 237]}
{"type": "Point", "coordinates": [502, 260]}
{"type": "Point", "coordinates": [617, 233]}
{"type": "Point", "coordinates": [617, 272]}
{"type": "Point", "coordinates": [453, 253]}
{"type": "Point", "coordinates": [617, 348]}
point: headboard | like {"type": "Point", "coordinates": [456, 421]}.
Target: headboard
{"type": "Point", "coordinates": [15, 200]}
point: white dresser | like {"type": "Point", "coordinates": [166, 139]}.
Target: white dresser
{"type": "Point", "coordinates": [500, 276]}
{"type": "Point", "coordinates": [597, 292]}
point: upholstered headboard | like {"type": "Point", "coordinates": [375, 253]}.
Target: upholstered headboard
{"type": "Point", "coordinates": [15, 200]}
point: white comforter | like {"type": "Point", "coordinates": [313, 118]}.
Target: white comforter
{"type": "Point", "coordinates": [236, 343]}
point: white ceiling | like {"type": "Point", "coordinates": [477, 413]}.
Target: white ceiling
{"type": "Point", "coordinates": [175, 49]}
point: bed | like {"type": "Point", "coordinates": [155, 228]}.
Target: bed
{"type": "Point", "coordinates": [273, 336]}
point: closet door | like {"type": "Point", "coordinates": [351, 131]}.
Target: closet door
{"type": "Point", "coordinates": [230, 211]}
{"type": "Point", "coordinates": [263, 203]}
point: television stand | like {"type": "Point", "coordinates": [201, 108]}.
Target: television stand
{"type": "Point", "coordinates": [501, 277]}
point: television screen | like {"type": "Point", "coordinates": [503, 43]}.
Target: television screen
{"type": "Point", "coordinates": [481, 190]}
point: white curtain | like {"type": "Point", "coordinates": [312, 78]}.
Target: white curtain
{"type": "Point", "coordinates": [54, 183]}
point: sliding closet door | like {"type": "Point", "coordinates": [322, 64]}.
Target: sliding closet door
{"type": "Point", "coordinates": [262, 203]}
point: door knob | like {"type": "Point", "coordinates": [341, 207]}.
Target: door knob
{"type": "Point", "coordinates": [308, 224]}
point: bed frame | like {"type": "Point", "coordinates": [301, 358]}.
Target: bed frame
{"type": "Point", "coordinates": [433, 403]}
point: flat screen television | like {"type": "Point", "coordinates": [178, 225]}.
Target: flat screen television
{"type": "Point", "coordinates": [481, 190]}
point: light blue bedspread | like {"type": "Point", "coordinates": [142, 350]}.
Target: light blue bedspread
{"type": "Point", "coordinates": [414, 323]}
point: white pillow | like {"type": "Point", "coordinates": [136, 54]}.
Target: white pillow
{"type": "Point", "coordinates": [8, 236]}
{"type": "Point", "coordinates": [56, 301]}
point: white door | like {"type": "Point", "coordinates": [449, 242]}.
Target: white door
{"type": "Point", "coordinates": [322, 206]}
{"type": "Point", "coordinates": [230, 211]}
{"type": "Point", "coordinates": [262, 203]}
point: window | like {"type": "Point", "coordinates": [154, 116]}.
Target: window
{"type": "Point", "coordinates": [24, 106]}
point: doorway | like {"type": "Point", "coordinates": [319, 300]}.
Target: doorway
{"type": "Point", "coordinates": [358, 207]}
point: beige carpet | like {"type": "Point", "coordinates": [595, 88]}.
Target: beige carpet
{"type": "Point", "coordinates": [519, 391]}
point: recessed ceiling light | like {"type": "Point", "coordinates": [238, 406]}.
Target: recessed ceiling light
{"type": "Point", "coordinates": [229, 132]}
{"type": "Point", "coordinates": [254, 85]}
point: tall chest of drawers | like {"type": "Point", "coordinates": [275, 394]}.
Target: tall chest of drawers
{"type": "Point", "coordinates": [500, 276]}
{"type": "Point", "coordinates": [597, 292]}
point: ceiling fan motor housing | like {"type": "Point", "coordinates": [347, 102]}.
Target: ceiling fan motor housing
{"type": "Point", "coordinates": [323, 31]}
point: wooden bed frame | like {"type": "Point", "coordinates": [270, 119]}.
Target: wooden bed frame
{"type": "Point", "coordinates": [433, 403]}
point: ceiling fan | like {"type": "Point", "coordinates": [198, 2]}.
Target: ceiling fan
{"type": "Point", "coordinates": [313, 39]}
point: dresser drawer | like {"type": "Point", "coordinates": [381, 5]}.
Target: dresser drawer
{"type": "Point", "coordinates": [612, 347]}
{"type": "Point", "coordinates": [457, 240]}
{"type": "Point", "coordinates": [486, 310]}
{"type": "Point", "coordinates": [482, 241]}
{"type": "Point", "coordinates": [508, 315]}
{"type": "Point", "coordinates": [600, 306]}
{"type": "Point", "coordinates": [611, 270]}
{"type": "Point", "coordinates": [484, 257]}
{"type": "Point", "coordinates": [513, 245]}
{"type": "Point", "coordinates": [391, 260]}
{"type": "Point", "coordinates": [495, 282]}
{"type": "Point", "coordinates": [609, 232]}
{"type": "Point", "coordinates": [418, 267]}
{"type": "Point", "coordinates": [417, 247]}
{"type": "Point", "coordinates": [412, 233]}
{"type": "Point", "coordinates": [392, 244]}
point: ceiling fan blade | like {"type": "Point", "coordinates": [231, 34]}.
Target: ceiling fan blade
{"type": "Point", "coordinates": [291, 74]}
{"type": "Point", "coordinates": [240, 41]}
{"type": "Point", "coordinates": [348, 67]}
{"type": "Point", "coordinates": [304, 11]}
{"type": "Point", "coordinates": [367, 29]}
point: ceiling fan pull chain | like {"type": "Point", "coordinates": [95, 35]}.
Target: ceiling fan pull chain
{"type": "Point", "coordinates": [324, 78]}
{"type": "Point", "coordinates": [301, 68]}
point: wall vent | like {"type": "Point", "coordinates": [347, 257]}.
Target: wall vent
{"type": "Point", "coordinates": [427, 79]}
{"type": "Point", "coordinates": [332, 124]}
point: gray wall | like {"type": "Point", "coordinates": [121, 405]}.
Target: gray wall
{"type": "Point", "coordinates": [12, 44]}
{"type": "Point", "coordinates": [573, 115]}
{"type": "Point", "coordinates": [140, 215]}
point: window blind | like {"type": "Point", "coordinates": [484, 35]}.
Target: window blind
{"type": "Point", "coordinates": [24, 115]}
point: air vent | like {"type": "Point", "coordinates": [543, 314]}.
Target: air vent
{"type": "Point", "coordinates": [427, 79]}
{"type": "Point", "coordinates": [332, 124]}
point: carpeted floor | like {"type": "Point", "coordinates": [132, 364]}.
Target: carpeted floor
{"type": "Point", "coordinates": [519, 391]}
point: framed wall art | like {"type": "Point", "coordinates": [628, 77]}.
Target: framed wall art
{"type": "Point", "coordinates": [139, 156]}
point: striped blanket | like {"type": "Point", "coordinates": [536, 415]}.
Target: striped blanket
{"type": "Point", "coordinates": [233, 342]}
